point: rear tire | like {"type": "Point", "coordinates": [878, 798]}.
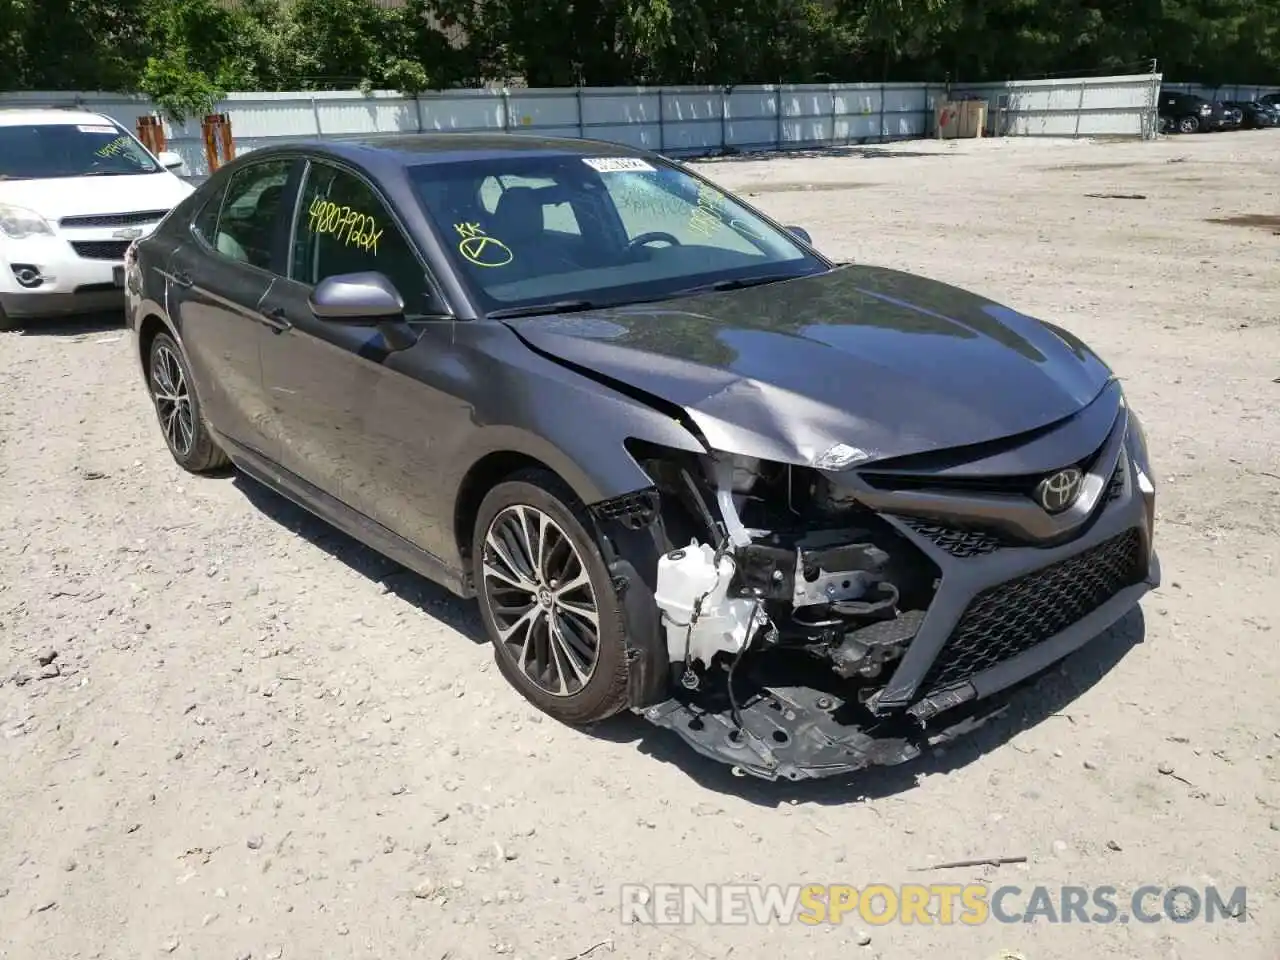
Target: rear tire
{"type": "Point", "coordinates": [556, 625]}
{"type": "Point", "coordinates": [186, 432]}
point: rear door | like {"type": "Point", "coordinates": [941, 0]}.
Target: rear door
{"type": "Point", "coordinates": [217, 280]}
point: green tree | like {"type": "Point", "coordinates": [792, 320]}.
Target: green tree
{"type": "Point", "coordinates": [198, 49]}
{"type": "Point", "coordinates": [186, 52]}
{"type": "Point", "coordinates": [72, 44]}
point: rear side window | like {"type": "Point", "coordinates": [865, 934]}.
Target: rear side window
{"type": "Point", "coordinates": [250, 209]}
{"type": "Point", "coordinates": [205, 223]}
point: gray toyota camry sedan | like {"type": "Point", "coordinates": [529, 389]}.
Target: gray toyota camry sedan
{"type": "Point", "coordinates": [807, 515]}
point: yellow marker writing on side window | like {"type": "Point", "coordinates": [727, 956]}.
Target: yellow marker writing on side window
{"type": "Point", "coordinates": [481, 249]}
{"type": "Point", "coordinates": [345, 225]}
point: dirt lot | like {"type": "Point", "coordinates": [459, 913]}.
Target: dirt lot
{"type": "Point", "coordinates": [262, 738]}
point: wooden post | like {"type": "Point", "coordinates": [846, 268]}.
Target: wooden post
{"type": "Point", "coordinates": [228, 145]}
{"type": "Point", "coordinates": [210, 150]}
{"type": "Point", "coordinates": [219, 147]}
{"type": "Point", "coordinates": [151, 133]}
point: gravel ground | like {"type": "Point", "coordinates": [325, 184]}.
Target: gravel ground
{"type": "Point", "coordinates": [228, 731]}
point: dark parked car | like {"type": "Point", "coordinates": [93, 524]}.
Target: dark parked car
{"type": "Point", "coordinates": [1271, 98]}
{"type": "Point", "coordinates": [1255, 115]}
{"type": "Point", "coordinates": [792, 510]}
{"type": "Point", "coordinates": [1189, 113]}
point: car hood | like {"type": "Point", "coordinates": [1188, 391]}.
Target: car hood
{"type": "Point", "coordinates": [72, 196]}
{"type": "Point", "coordinates": [887, 362]}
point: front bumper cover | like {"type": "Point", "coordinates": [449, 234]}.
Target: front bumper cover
{"type": "Point", "coordinates": [21, 306]}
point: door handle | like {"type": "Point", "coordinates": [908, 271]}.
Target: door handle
{"type": "Point", "coordinates": [276, 319]}
{"type": "Point", "coordinates": [181, 278]}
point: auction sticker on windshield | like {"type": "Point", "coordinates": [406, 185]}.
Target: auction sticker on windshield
{"type": "Point", "coordinates": [97, 129]}
{"type": "Point", "coordinates": [617, 164]}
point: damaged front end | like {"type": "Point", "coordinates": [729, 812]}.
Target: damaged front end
{"type": "Point", "coordinates": [802, 633]}
{"type": "Point", "coordinates": [781, 609]}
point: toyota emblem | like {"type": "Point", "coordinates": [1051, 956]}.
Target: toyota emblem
{"type": "Point", "coordinates": [1058, 491]}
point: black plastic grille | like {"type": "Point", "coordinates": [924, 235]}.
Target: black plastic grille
{"type": "Point", "coordinates": [1011, 618]}
{"type": "Point", "coordinates": [633, 510]}
{"type": "Point", "coordinates": [958, 543]}
{"type": "Point", "coordinates": [114, 219]}
{"type": "Point", "coordinates": [1007, 485]}
{"type": "Point", "coordinates": [101, 249]}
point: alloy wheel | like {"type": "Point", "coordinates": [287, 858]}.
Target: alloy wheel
{"type": "Point", "coordinates": [543, 605]}
{"type": "Point", "coordinates": [1189, 125]}
{"type": "Point", "coordinates": [173, 400]}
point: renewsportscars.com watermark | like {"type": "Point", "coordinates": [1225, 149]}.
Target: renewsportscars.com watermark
{"type": "Point", "coordinates": [929, 904]}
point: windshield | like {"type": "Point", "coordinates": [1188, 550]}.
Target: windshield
{"type": "Point", "coordinates": [528, 230]}
{"type": "Point", "coordinates": [53, 150]}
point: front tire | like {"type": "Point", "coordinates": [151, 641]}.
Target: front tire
{"type": "Point", "coordinates": [1189, 125]}
{"type": "Point", "coordinates": [547, 600]}
{"type": "Point", "coordinates": [182, 422]}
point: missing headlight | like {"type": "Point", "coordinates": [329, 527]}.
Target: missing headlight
{"type": "Point", "coordinates": [837, 585]}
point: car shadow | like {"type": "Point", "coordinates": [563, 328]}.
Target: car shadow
{"type": "Point", "coordinates": [998, 719]}
{"type": "Point", "coordinates": [78, 325]}
{"type": "Point", "coordinates": [1043, 698]}
{"type": "Point", "coordinates": [409, 586]}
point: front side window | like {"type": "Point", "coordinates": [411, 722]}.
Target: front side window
{"type": "Point", "coordinates": [49, 151]}
{"type": "Point", "coordinates": [529, 229]}
{"type": "Point", "coordinates": [250, 210]}
{"type": "Point", "coordinates": [344, 227]}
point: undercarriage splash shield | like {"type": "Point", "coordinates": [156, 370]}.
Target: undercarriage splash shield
{"type": "Point", "coordinates": [801, 733]}
{"type": "Point", "coordinates": [790, 733]}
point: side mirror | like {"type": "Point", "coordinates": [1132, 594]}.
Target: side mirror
{"type": "Point", "coordinates": [801, 233]}
{"type": "Point", "coordinates": [171, 161]}
{"type": "Point", "coordinates": [363, 299]}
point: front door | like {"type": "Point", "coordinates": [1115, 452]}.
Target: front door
{"type": "Point", "coordinates": [216, 282]}
{"type": "Point", "coordinates": [348, 421]}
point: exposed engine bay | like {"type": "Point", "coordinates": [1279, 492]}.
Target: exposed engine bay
{"type": "Point", "coordinates": [785, 565]}
{"type": "Point", "coordinates": [784, 606]}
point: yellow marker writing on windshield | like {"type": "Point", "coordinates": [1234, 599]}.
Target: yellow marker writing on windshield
{"type": "Point", "coordinates": [704, 219]}
{"type": "Point", "coordinates": [114, 147]}
{"type": "Point", "coordinates": [481, 249]}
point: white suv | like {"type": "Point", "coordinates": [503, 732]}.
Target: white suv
{"type": "Point", "coordinates": [76, 189]}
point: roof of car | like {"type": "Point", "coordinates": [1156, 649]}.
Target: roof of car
{"type": "Point", "coordinates": [415, 149]}
{"type": "Point", "coordinates": [17, 116]}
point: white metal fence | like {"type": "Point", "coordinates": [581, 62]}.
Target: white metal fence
{"type": "Point", "coordinates": [1083, 107]}
{"type": "Point", "coordinates": [670, 120]}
